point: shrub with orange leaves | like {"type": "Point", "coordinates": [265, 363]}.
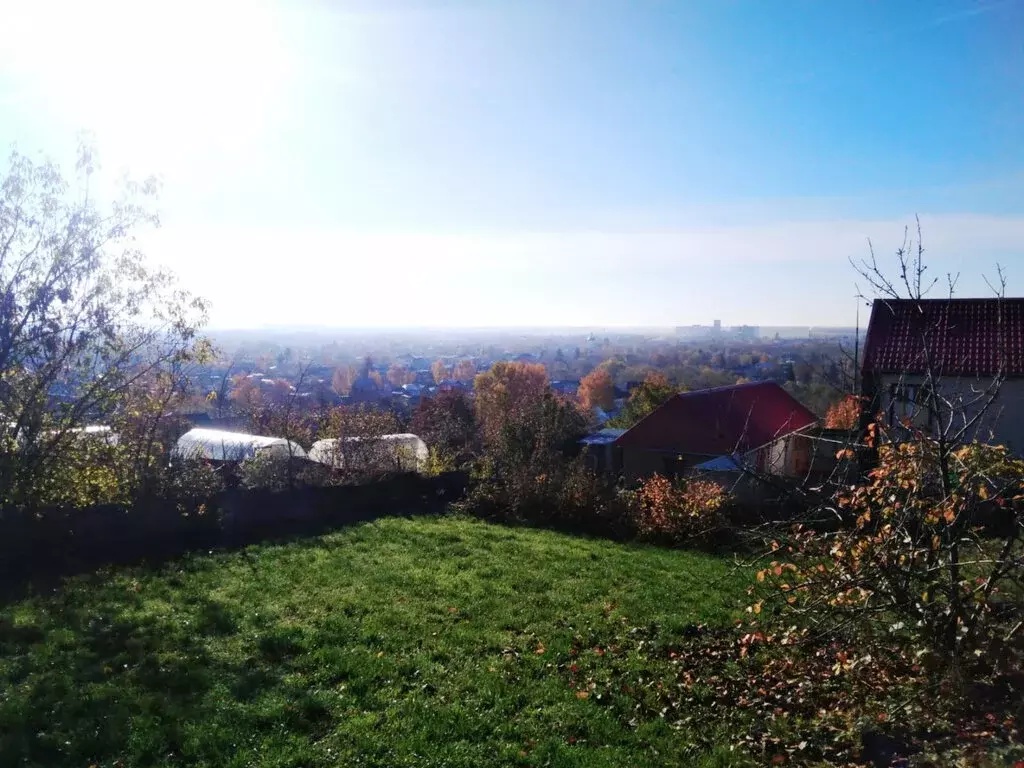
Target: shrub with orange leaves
{"type": "Point", "coordinates": [679, 512]}
{"type": "Point", "coordinates": [930, 555]}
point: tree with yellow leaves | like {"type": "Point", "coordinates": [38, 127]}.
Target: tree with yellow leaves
{"type": "Point", "coordinates": [341, 380]}
{"type": "Point", "coordinates": [439, 371]}
{"type": "Point", "coordinates": [398, 375]}
{"type": "Point", "coordinates": [465, 371]}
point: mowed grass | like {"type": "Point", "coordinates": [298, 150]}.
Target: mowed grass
{"type": "Point", "coordinates": [430, 641]}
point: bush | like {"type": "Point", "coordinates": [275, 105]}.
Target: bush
{"type": "Point", "coordinates": [527, 462]}
{"type": "Point", "coordinates": [267, 471]}
{"type": "Point", "coordinates": [678, 513]}
{"type": "Point", "coordinates": [191, 481]}
{"type": "Point", "coordinates": [84, 471]}
{"type": "Point", "coordinates": [447, 423]}
{"type": "Point", "coordinates": [584, 500]}
{"type": "Point", "coordinates": [929, 557]}
{"type": "Point", "coordinates": [439, 461]}
{"type": "Point", "coordinates": [566, 495]}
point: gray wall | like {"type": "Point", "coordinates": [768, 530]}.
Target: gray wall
{"type": "Point", "coordinates": [780, 459]}
{"type": "Point", "coordinates": [1002, 423]}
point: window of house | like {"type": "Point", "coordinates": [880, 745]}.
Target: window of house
{"type": "Point", "coordinates": [673, 466]}
{"type": "Point", "coordinates": [902, 403]}
{"type": "Point", "coordinates": [911, 404]}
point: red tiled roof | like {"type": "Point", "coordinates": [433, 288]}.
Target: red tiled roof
{"type": "Point", "coordinates": [961, 337]}
{"type": "Point", "coordinates": [724, 420]}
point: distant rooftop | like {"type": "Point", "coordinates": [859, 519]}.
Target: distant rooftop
{"type": "Point", "coordinates": [720, 421]}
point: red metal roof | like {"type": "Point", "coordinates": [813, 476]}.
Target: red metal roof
{"type": "Point", "coordinates": [961, 337]}
{"type": "Point", "coordinates": [720, 421]}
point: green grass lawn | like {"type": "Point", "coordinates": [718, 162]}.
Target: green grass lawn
{"type": "Point", "coordinates": [430, 641]}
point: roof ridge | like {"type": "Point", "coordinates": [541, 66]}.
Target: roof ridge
{"type": "Point", "coordinates": [721, 419]}
{"type": "Point", "coordinates": [949, 300]}
{"type": "Point", "coordinates": [726, 387]}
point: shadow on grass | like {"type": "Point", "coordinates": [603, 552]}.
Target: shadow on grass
{"type": "Point", "coordinates": [35, 555]}
{"type": "Point", "coordinates": [103, 680]}
{"type": "Point", "coordinates": [726, 542]}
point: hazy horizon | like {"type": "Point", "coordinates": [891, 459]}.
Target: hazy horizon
{"type": "Point", "coordinates": [435, 164]}
{"type": "Point", "coordinates": [504, 329]}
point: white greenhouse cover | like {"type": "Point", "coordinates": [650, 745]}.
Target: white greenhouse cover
{"type": "Point", "coordinates": [220, 445]}
{"type": "Point", "coordinates": [97, 430]}
{"type": "Point", "coordinates": [405, 452]}
{"type": "Point", "coordinates": [93, 431]}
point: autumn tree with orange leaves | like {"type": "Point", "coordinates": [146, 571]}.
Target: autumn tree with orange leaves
{"type": "Point", "coordinates": [844, 414]}
{"type": "Point", "coordinates": [529, 438]}
{"type": "Point", "coordinates": [245, 393]}
{"type": "Point", "coordinates": [399, 375]}
{"type": "Point", "coordinates": [503, 392]}
{"type": "Point", "coordinates": [932, 558]}
{"type": "Point", "coordinates": [597, 390]}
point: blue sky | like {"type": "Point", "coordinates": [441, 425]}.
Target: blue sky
{"type": "Point", "coordinates": [540, 162]}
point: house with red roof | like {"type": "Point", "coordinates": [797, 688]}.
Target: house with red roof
{"type": "Point", "coordinates": [969, 352]}
{"type": "Point", "coordinates": [757, 425]}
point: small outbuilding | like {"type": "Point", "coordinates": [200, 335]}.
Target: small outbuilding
{"type": "Point", "coordinates": [758, 423]}
{"type": "Point", "coordinates": [601, 453]}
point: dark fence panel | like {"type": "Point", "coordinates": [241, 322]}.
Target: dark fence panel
{"type": "Point", "coordinates": [59, 542]}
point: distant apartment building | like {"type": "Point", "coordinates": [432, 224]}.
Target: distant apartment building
{"type": "Point", "coordinates": [717, 332]}
{"type": "Point", "coordinates": [785, 331]}
{"type": "Point", "coordinates": [832, 332]}
{"type": "Point", "coordinates": [693, 332]}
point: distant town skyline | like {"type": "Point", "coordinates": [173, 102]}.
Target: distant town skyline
{"type": "Point", "coordinates": [403, 163]}
{"type": "Point", "coordinates": [326, 331]}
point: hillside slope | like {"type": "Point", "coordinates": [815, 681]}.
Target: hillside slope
{"type": "Point", "coordinates": [440, 641]}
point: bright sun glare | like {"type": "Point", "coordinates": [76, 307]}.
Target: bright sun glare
{"type": "Point", "coordinates": [155, 82]}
